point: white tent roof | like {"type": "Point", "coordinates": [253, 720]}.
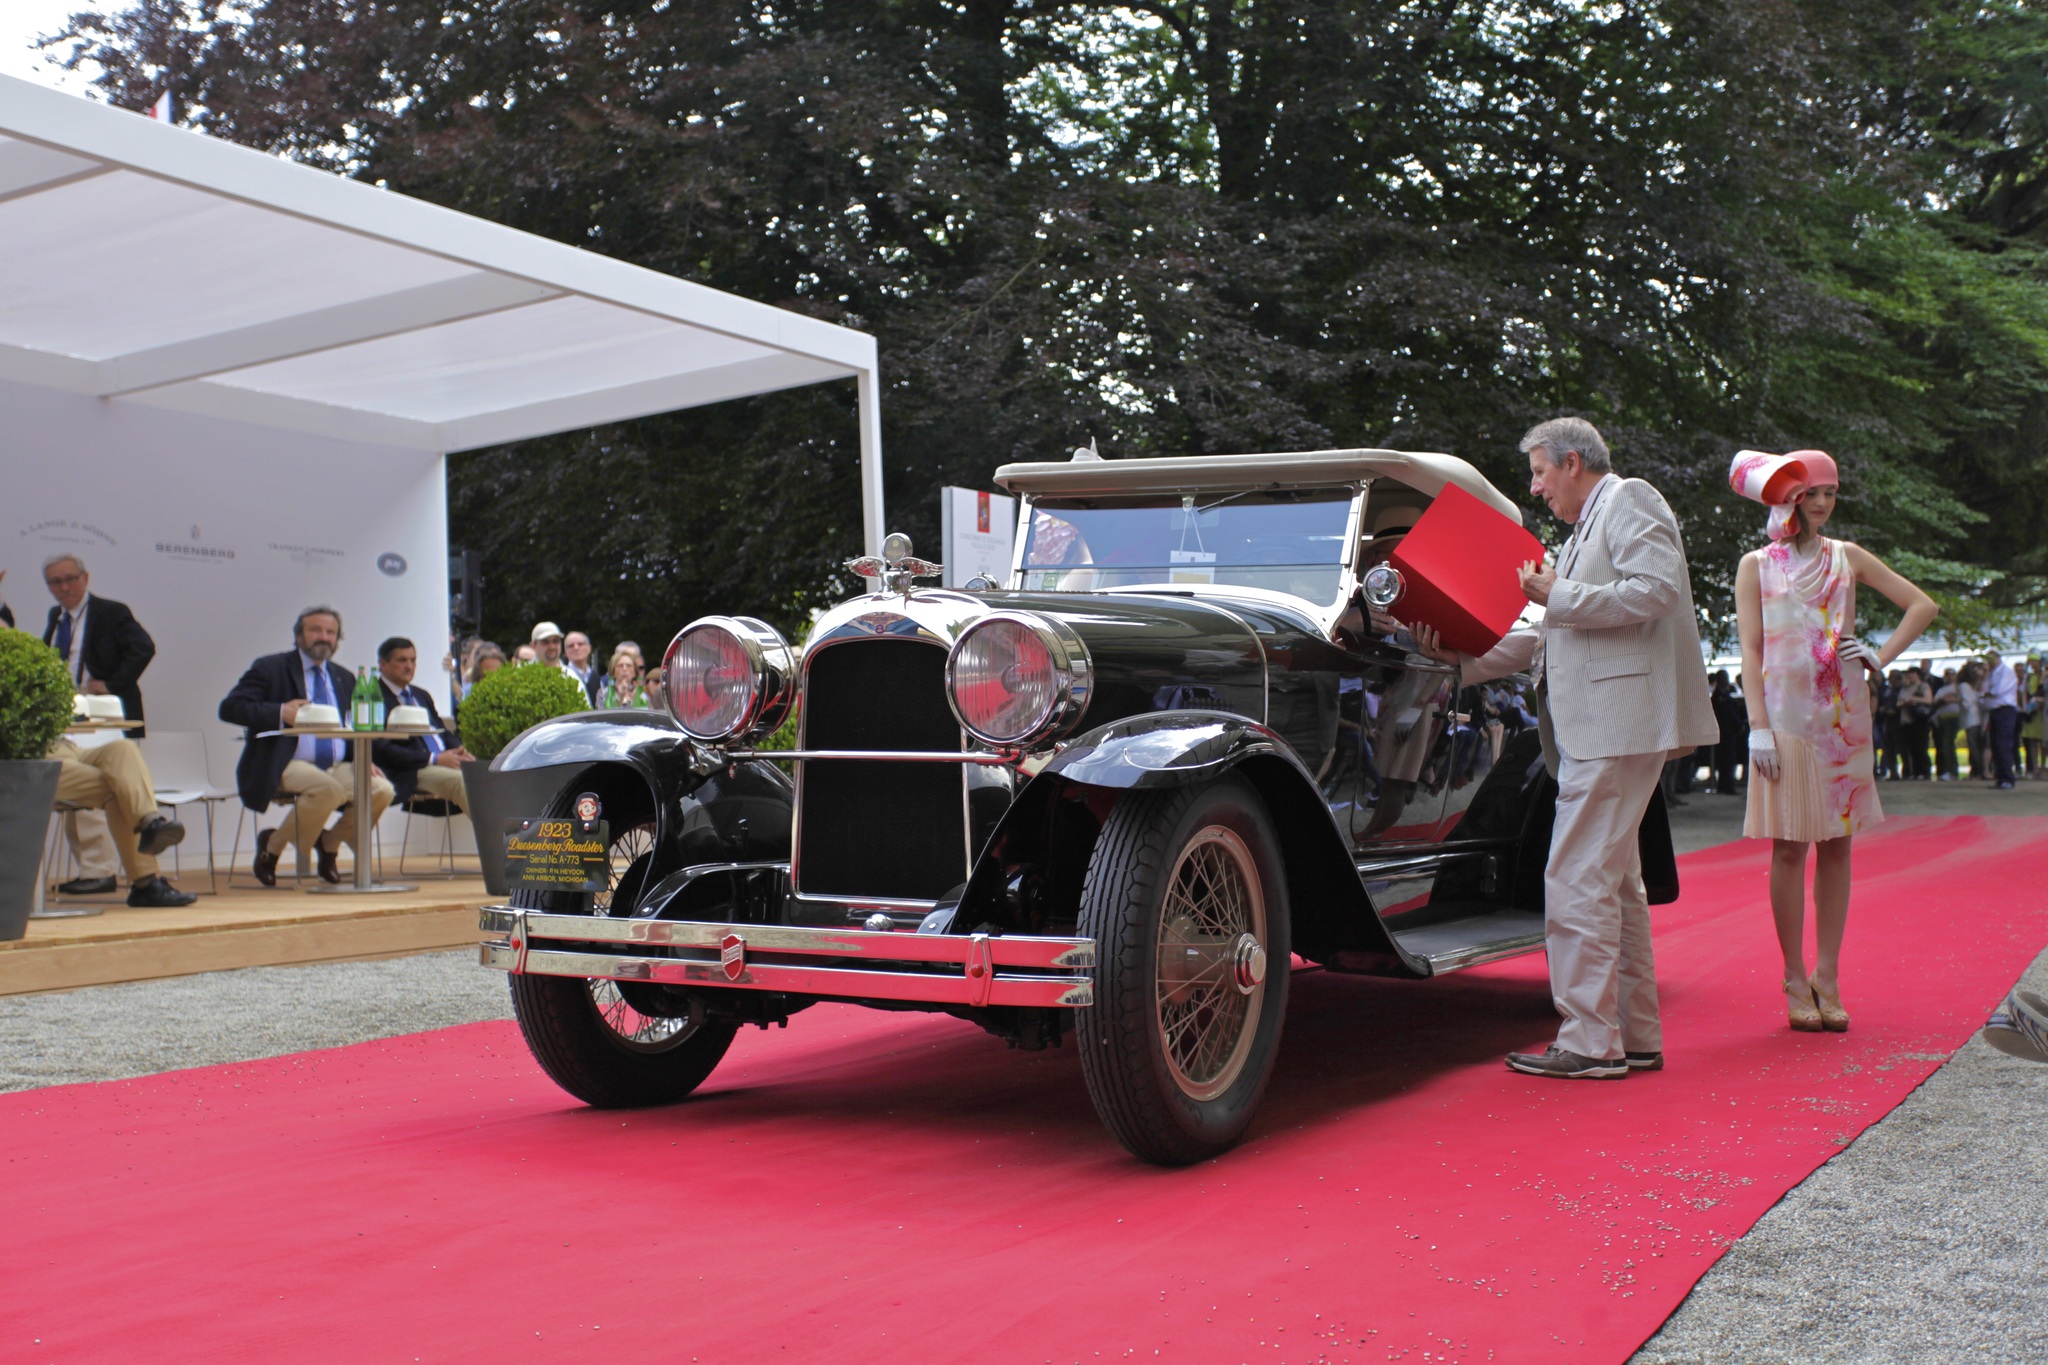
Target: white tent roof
{"type": "Point", "coordinates": [146, 263]}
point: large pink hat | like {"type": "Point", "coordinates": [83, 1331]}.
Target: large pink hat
{"type": "Point", "coordinates": [1779, 481]}
{"type": "Point", "coordinates": [1820, 467]}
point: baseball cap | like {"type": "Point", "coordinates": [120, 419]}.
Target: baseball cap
{"type": "Point", "coordinates": [546, 630]}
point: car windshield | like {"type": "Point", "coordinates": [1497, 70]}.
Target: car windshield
{"type": "Point", "coordinates": [1283, 540]}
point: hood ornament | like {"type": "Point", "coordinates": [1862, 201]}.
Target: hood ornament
{"type": "Point", "coordinates": [895, 566]}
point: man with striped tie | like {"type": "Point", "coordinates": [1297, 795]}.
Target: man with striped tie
{"type": "Point", "coordinates": [427, 763]}
{"type": "Point", "coordinates": [317, 772]}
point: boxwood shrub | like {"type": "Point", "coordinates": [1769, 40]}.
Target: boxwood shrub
{"type": "Point", "coordinates": [35, 696]}
{"type": "Point", "coordinates": [512, 699]}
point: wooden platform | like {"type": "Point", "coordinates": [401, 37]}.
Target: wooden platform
{"type": "Point", "coordinates": [248, 926]}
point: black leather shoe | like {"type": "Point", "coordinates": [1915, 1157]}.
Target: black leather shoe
{"type": "Point", "coordinates": [265, 866]}
{"type": "Point", "coordinates": [330, 872]}
{"type": "Point", "coordinates": [158, 894]}
{"type": "Point", "coordinates": [1644, 1061]}
{"type": "Point", "coordinates": [1554, 1061]}
{"type": "Point", "coordinates": [158, 835]}
{"type": "Point", "coordinates": [86, 886]}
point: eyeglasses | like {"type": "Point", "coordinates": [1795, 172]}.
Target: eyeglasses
{"type": "Point", "coordinates": [57, 580]}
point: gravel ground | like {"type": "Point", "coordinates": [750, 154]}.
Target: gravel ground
{"type": "Point", "coordinates": [105, 1033]}
{"type": "Point", "coordinates": [1923, 1241]}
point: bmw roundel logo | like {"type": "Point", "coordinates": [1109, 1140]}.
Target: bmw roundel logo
{"type": "Point", "coordinates": [391, 565]}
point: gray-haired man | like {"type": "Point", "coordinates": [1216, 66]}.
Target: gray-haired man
{"type": "Point", "coordinates": [1623, 690]}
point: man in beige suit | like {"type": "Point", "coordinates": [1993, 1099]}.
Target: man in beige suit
{"type": "Point", "coordinates": [1623, 688]}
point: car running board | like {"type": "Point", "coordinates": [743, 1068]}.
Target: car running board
{"type": "Point", "coordinates": [1486, 935]}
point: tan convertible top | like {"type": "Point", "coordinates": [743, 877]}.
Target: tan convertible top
{"type": "Point", "coordinates": [1424, 472]}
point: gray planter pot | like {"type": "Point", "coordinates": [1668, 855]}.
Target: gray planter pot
{"type": "Point", "coordinates": [496, 797]}
{"type": "Point", "coordinates": [28, 789]}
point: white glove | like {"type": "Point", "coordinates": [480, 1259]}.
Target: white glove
{"type": "Point", "coordinates": [1850, 649]}
{"type": "Point", "coordinates": [1763, 754]}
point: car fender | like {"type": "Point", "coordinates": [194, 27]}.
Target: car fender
{"type": "Point", "coordinates": [1163, 749]}
{"type": "Point", "coordinates": [1039, 852]}
{"type": "Point", "coordinates": [706, 810]}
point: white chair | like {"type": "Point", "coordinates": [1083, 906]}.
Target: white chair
{"type": "Point", "coordinates": [178, 771]}
{"type": "Point", "coordinates": [422, 805]}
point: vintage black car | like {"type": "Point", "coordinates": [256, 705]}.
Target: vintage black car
{"type": "Point", "coordinates": [1114, 797]}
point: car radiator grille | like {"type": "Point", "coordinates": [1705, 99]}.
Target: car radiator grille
{"type": "Point", "coordinates": [888, 830]}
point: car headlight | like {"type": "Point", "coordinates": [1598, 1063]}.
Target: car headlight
{"type": "Point", "coordinates": [1017, 677]}
{"type": "Point", "coordinates": [729, 677]}
{"type": "Point", "coordinates": [1384, 585]}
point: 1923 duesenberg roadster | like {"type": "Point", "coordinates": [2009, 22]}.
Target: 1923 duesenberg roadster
{"type": "Point", "coordinates": [1114, 797]}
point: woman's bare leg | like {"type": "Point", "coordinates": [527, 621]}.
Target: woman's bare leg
{"type": "Point", "coordinates": [1830, 910]}
{"type": "Point", "coordinates": [1788, 904]}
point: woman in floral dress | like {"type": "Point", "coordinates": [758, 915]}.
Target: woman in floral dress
{"type": "Point", "coordinates": [1811, 772]}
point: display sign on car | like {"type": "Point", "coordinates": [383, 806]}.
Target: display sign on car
{"type": "Point", "coordinates": [556, 855]}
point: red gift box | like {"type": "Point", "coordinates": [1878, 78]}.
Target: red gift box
{"type": "Point", "coordinates": [1458, 565]}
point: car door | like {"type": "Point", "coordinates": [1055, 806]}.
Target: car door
{"type": "Point", "coordinates": [1409, 746]}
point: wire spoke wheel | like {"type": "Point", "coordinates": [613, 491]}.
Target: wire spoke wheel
{"type": "Point", "coordinates": [630, 851]}
{"type": "Point", "coordinates": [633, 1030]}
{"type": "Point", "coordinates": [1212, 931]}
{"type": "Point", "coordinates": [626, 862]}
{"type": "Point", "coordinates": [1186, 899]}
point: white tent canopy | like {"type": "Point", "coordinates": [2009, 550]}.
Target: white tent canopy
{"type": "Point", "coordinates": [144, 263]}
{"type": "Point", "coordinates": [229, 382]}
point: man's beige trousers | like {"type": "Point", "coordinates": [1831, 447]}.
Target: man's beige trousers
{"type": "Point", "coordinates": [444, 784]}
{"type": "Point", "coordinates": [112, 778]}
{"type": "Point", "coordinates": [321, 792]}
{"type": "Point", "coordinates": [1603, 974]}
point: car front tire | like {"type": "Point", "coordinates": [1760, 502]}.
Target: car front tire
{"type": "Point", "coordinates": [1186, 899]}
{"type": "Point", "coordinates": [596, 1046]}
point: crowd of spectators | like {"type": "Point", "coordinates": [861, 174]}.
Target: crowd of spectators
{"type": "Point", "coordinates": [626, 680]}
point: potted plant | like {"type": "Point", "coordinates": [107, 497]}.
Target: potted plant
{"type": "Point", "coordinates": [35, 706]}
{"type": "Point", "coordinates": [502, 706]}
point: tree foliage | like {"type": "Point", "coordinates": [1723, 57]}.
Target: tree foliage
{"type": "Point", "coordinates": [1216, 225]}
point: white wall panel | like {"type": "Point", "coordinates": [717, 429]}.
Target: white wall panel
{"type": "Point", "coordinates": [217, 533]}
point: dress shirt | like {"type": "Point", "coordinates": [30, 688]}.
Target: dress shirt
{"type": "Point", "coordinates": [2001, 688]}
{"type": "Point", "coordinates": [1569, 557]}
{"type": "Point", "coordinates": [76, 662]}
{"type": "Point", "coordinates": [309, 747]}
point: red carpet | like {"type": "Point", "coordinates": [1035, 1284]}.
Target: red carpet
{"type": "Point", "coordinates": [871, 1187]}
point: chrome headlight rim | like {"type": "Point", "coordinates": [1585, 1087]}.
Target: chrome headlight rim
{"type": "Point", "coordinates": [1073, 678]}
{"type": "Point", "coordinates": [772, 662]}
{"type": "Point", "coordinates": [1383, 585]}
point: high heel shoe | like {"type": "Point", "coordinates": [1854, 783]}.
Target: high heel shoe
{"type": "Point", "coordinates": [1799, 1008]}
{"type": "Point", "coordinates": [1833, 1017]}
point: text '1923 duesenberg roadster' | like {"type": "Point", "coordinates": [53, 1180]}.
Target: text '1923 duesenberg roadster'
{"type": "Point", "coordinates": [1114, 797]}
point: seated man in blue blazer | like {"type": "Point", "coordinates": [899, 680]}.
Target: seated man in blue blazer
{"type": "Point", "coordinates": [316, 771]}
{"type": "Point", "coordinates": [431, 764]}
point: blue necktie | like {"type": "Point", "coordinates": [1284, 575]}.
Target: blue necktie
{"type": "Point", "coordinates": [323, 692]}
{"type": "Point", "coordinates": [64, 638]}
{"type": "Point", "coordinates": [433, 741]}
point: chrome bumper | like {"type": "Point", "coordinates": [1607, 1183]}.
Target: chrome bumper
{"type": "Point", "coordinates": [944, 969]}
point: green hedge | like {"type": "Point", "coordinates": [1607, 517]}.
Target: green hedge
{"type": "Point", "coordinates": [35, 696]}
{"type": "Point", "coordinates": [513, 699]}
